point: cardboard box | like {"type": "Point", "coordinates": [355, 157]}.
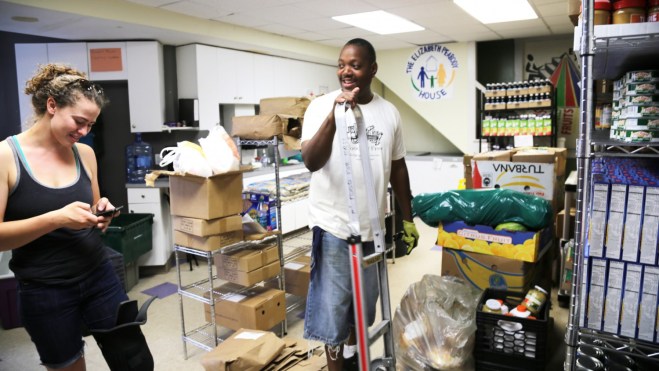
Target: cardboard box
{"type": "Point", "coordinates": [631, 300]}
{"type": "Point", "coordinates": [247, 260]}
{"type": "Point", "coordinates": [524, 246]}
{"type": "Point", "coordinates": [203, 228]}
{"type": "Point", "coordinates": [615, 221]}
{"type": "Point", "coordinates": [649, 306]}
{"type": "Point", "coordinates": [252, 277]}
{"type": "Point", "coordinates": [293, 106]}
{"type": "Point", "coordinates": [650, 229]}
{"type": "Point", "coordinates": [612, 304]}
{"type": "Point", "coordinates": [597, 226]}
{"type": "Point", "coordinates": [633, 222]}
{"type": "Point", "coordinates": [208, 243]}
{"type": "Point", "coordinates": [596, 290]}
{"type": "Point", "coordinates": [537, 179]}
{"type": "Point", "coordinates": [483, 271]}
{"type": "Point", "coordinates": [262, 127]}
{"type": "Point", "coordinates": [262, 208]}
{"type": "Point", "coordinates": [297, 274]}
{"type": "Point", "coordinates": [545, 155]}
{"type": "Point", "coordinates": [258, 308]}
{"type": "Point", "coordinates": [206, 198]}
{"type": "Point", "coordinates": [485, 156]}
{"type": "Point", "coordinates": [574, 11]}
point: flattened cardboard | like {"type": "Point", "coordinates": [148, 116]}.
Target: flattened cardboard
{"type": "Point", "coordinates": [203, 228]}
{"type": "Point", "coordinates": [245, 350]}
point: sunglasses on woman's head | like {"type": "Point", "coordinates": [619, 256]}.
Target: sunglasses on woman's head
{"type": "Point", "coordinates": [86, 85]}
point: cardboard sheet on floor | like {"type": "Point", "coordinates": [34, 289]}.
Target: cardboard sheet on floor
{"type": "Point", "coordinates": [245, 350]}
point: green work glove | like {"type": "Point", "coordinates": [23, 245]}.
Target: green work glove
{"type": "Point", "coordinates": [410, 235]}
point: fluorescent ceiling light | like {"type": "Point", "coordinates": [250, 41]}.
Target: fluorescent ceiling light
{"type": "Point", "coordinates": [497, 11]}
{"type": "Point", "coordinates": [380, 22]}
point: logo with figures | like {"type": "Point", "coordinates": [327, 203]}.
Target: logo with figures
{"type": "Point", "coordinates": [432, 70]}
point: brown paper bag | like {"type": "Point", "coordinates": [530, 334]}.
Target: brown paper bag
{"type": "Point", "coordinates": [245, 350]}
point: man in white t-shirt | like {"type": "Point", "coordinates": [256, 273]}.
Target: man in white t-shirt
{"type": "Point", "coordinates": [329, 316]}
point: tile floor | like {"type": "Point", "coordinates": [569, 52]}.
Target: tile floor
{"type": "Point", "coordinates": [163, 327]}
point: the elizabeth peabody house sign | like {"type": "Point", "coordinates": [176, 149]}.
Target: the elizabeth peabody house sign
{"type": "Point", "coordinates": [432, 70]}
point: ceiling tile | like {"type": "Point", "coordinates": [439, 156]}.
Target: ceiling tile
{"type": "Point", "coordinates": [531, 23]}
{"type": "Point", "coordinates": [474, 36]}
{"type": "Point", "coordinates": [198, 10]}
{"type": "Point", "coordinates": [422, 37]}
{"type": "Point", "coordinates": [520, 33]}
{"type": "Point", "coordinates": [336, 7]}
{"type": "Point", "coordinates": [244, 19]}
{"type": "Point", "coordinates": [559, 8]}
{"type": "Point", "coordinates": [280, 29]}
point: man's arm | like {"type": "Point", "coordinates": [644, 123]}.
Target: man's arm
{"type": "Point", "coordinates": [317, 150]}
{"type": "Point", "coordinates": [400, 183]}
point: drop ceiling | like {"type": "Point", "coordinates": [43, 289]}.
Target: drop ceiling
{"type": "Point", "coordinates": [306, 20]}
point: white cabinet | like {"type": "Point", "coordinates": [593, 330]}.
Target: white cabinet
{"type": "Point", "coordinates": [28, 59]}
{"type": "Point", "coordinates": [154, 201]}
{"type": "Point", "coordinates": [107, 61]}
{"type": "Point", "coordinates": [197, 76]}
{"type": "Point", "coordinates": [297, 78]}
{"type": "Point", "coordinates": [74, 54]}
{"type": "Point", "coordinates": [146, 86]}
{"type": "Point", "coordinates": [236, 77]}
{"type": "Point", "coordinates": [264, 76]}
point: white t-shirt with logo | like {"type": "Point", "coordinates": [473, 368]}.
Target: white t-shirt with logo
{"type": "Point", "coordinates": [328, 202]}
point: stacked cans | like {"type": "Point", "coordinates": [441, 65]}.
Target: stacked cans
{"type": "Point", "coordinates": [636, 107]}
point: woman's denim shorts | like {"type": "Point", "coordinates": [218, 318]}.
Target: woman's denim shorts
{"type": "Point", "coordinates": [54, 315]}
{"type": "Point", "coordinates": [329, 312]}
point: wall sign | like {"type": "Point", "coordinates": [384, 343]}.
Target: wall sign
{"type": "Point", "coordinates": [105, 60]}
{"type": "Point", "coordinates": [432, 70]}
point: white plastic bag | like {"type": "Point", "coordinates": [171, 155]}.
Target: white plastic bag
{"type": "Point", "coordinates": [220, 151]}
{"type": "Point", "coordinates": [187, 157]}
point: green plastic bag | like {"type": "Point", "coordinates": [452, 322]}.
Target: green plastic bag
{"type": "Point", "coordinates": [486, 207]}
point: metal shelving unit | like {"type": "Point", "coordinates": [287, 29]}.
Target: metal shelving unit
{"type": "Point", "coordinates": [606, 53]}
{"type": "Point", "coordinates": [206, 336]}
{"type": "Point", "coordinates": [508, 140]}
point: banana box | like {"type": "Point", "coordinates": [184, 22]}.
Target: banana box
{"type": "Point", "coordinates": [524, 246]}
{"type": "Point", "coordinates": [488, 271]}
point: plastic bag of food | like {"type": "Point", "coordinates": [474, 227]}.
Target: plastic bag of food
{"type": "Point", "coordinates": [220, 151]}
{"type": "Point", "coordinates": [187, 158]}
{"type": "Point", "coordinates": [487, 207]}
{"type": "Point", "coordinates": [435, 324]}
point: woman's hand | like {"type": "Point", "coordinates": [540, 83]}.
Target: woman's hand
{"type": "Point", "coordinates": [76, 215]}
{"type": "Point", "coordinates": [103, 222]}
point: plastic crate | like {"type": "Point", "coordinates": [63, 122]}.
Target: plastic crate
{"type": "Point", "coordinates": [510, 343]}
{"type": "Point", "coordinates": [131, 235]}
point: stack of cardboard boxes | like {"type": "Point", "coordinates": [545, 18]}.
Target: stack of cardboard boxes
{"type": "Point", "coordinates": [504, 260]}
{"type": "Point", "coordinates": [206, 216]}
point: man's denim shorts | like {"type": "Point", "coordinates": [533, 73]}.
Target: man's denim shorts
{"type": "Point", "coordinates": [329, 312]}
{"type": "Point", "coordinates": [54, 315]}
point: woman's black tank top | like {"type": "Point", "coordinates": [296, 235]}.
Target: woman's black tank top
{"type": "Point", "coordinates": [65, 255]}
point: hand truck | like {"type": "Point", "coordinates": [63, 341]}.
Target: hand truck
{"type": "Point", "coordinates": [358, 262]}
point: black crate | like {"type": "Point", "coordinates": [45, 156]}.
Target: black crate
{"type": "Point", "coordinates": [510, 343]}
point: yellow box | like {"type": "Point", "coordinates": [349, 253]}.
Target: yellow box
{"type": "Point", "coordinates": [524, 246]}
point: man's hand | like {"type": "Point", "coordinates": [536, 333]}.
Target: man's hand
{"type": "Point", "coordinates": [410, 235]}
